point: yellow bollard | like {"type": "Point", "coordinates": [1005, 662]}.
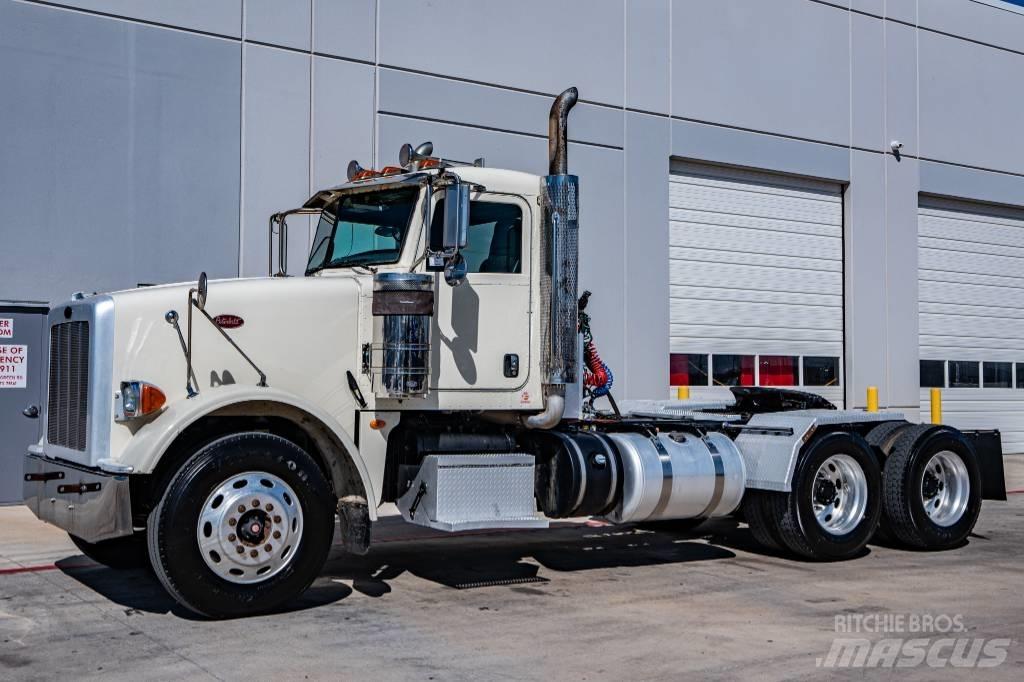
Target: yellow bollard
{"type": "Point", "coordinates": [936, 406]}
{"type": "Point", "coordinates": [872, 399]}
{"type": "Point", "coordinates": [683, 392]}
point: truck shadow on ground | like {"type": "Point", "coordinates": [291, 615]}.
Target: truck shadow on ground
{"type": "Point", "coordinates": [138, 590]}
{"type": "Point", "coordinates": [470, 561]}
{"type": "Point", "coordinates": [459, 561]}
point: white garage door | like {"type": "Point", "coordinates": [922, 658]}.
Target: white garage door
{"type": "Point", "coordinates": [971, 306]}
{"type": "Point", "coordinates": [756, 276]}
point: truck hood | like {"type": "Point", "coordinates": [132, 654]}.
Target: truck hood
{"type": "Point", "coordinates": [304, 333]}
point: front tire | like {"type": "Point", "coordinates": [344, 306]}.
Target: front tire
{"type": "Point", "coordinates": [835, 502]}
{"type": "Point", "coordinates": [244, 526]}
{"type": "Point", "coordinates": [932, 488]}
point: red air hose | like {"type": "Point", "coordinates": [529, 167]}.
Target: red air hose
{"type": "Point", "coordinates": [598, 376]}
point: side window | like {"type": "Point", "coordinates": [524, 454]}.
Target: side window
{"type": "Point", "coordinates": [495, 242]}
{"type": "Point", "coordinates": [933, 374]}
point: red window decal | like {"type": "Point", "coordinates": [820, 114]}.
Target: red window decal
{"type": "Point", "coordinates": [779, 370]}
{"type": "Point", "coordinates": [732, 370]}
{"type": "Point", "coordinates": [688, 369]}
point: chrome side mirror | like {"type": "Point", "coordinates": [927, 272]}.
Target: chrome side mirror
{"type": "Point", "coordinates": [456, 217]}
{"type": "Point", "coordinates": [455, 270]}
{"type": "Point", "coordinates": [201, 291]}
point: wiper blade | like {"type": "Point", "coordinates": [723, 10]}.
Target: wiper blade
{"type": "Point", "coordinates": [348, 262]}
{"type": "Point", "coordinates": [364, 259]}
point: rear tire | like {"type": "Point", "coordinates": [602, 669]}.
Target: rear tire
{"type": "Point", "coordinates": [932, 488]}
{"type": "Point", "coordinates": [253, 492]}
{"type": "Point", "coordinates": [762, 526]}
{"type": "Point", "coordinates": [835, 502]}
{"type": "Point", "coordinates": [122, 553]}
{"type": "Point", "coordinates": [881, 439]}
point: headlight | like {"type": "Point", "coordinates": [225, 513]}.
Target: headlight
{"type": "Point", "coordinates": [137, 399]}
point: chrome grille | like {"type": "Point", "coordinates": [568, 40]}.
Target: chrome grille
{"type": "Point", "coordinates": [67, 406]}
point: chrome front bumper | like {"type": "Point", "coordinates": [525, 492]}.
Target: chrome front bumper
{"type": "Point", "coordinates": [87, 503]}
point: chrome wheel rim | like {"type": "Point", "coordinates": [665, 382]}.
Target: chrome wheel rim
{"type": "Point", "coordinates": [249, 527]}
{"type": "Point", "coordinates": [945, 488]}
{"type": "Point", "coordinates": [839, 496]}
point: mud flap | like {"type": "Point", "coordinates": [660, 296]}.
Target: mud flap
{"type": "Point", "coordinates": [988, 446]}
{"type": "Point", "coordinates": [354, 517]}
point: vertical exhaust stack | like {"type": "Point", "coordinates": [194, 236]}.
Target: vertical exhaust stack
{"type": "Point", "coordinates": [558, 132]}
{"type": "Point", "coordinates": [559, 255]}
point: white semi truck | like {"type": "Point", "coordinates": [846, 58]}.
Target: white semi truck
{"type": "Point", "coordinates": [435, 354]}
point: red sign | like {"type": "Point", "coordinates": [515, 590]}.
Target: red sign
{"type": "Point", "coordinates": [228, 321]}
{"type": "Point", "coordinates": [13, 366]}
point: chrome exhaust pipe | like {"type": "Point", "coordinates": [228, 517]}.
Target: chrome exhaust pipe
{"type": "Point", "coordinates": [548, 418]}
{"type": "Point", "coordinates": [559, 254]}
{"type": "Point", "coordinates": [558, 132]}
{"type": "Point", "coordinates": [554, 408]}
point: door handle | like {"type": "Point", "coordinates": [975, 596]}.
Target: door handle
{"type": "Point", "coordinates": [32, 412]}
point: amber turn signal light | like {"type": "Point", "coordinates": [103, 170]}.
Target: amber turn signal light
{"type": "Point", "coordinates": [139, 398]}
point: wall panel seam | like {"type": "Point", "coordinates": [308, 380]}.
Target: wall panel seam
{"type": "Point", "coordinates": [477, 126]}
{"type": "Point", "coordinates": [135, 20]}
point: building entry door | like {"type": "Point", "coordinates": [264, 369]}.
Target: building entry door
{"type": "Point", "coordinates": [22, 350]}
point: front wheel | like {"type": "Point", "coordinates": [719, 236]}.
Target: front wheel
{"type": "Point", "coordinates": [243, 527]}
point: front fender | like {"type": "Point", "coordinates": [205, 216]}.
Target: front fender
{"type": "Point", "coordinates": [149, 442]}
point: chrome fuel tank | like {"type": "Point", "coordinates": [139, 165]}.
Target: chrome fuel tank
{"type": "Point", "coordinates": [677, 476]}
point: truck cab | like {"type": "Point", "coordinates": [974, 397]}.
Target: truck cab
{"type": "Point", "coordinates": [482, 322]}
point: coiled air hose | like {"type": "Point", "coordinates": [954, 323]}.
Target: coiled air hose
{"type": "Point", "coordinates": [597, 377]}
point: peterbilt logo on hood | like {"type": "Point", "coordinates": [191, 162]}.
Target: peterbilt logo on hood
{"type": "Point", "coordinates": [228, 321]}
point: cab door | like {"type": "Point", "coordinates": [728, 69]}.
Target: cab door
{"type": "Point", "coordinates": [481, 338]}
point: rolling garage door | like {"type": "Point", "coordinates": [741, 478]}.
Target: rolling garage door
{"type": "Point", "coordinates": [971, 307]}
{"type": "Point", "coordinates": [756, 277]}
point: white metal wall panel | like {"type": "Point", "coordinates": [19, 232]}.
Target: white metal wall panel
{"type": "Point", "coordinates": [755, 264]}
{"type": "Point", "coordinates": [971, 302]}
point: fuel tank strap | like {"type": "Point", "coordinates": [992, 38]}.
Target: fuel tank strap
{"type": "Point", "coordinates": [716, 495]}
{"type": "Point", "coordinates": [666, 478]}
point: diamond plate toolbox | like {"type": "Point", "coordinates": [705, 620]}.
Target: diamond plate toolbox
{"type": "Point", "coordinates": [467, 491]}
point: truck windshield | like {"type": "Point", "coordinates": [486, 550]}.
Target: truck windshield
{"type": "Point", "coordinates": [363, 229]}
